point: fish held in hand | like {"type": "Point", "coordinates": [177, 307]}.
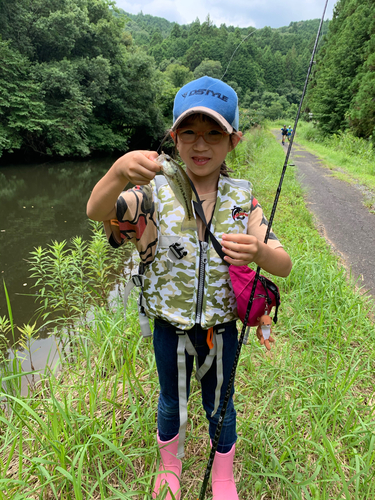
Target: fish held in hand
{"type": "Point", "coordinates": [181, 187]}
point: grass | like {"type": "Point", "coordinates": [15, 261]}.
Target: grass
{"type": "Point", "coordinates": [305, 413]}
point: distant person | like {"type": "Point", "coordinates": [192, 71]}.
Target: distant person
{"type": "Point", "coordinates": [284, 133]}
{"type": "Point", "coordinates": [188, 311]}
{"type": "Point", "coordinates": [290, 130]}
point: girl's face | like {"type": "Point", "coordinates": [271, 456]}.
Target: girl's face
{"type": "Point", "coordinates": [203, 160]}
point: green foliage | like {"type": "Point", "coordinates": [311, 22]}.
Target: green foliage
{"type": "Point", "coordinates": [250, 118]}
{"type": "Point", "coordinates": [178, 74]}
{"type": "Point", "coordinates": [70, 81]}
{"type": "Point", "coordinates": [165, 99]}
{"type": "Point", "coordinates": [268, 55]}
{"type": "Point", "coordinates": [5, 327]}
{"type": "Point", "coordinates": [361, 114]}
{"type": "Point", "coordinates": [70, 279]}
{"type": "Point", "coordinates": [22, 110]}
{"type": "Point", "coordinates": [253, 61]}
{"type": "Point", "coordinates": [79, 76]}
{"type": "Point", "coordinates": [343, 141]}
{"type": "Point", "coordinates": [209, 68]}
{"type": "Point", "coordinates": [341, 94]}
{"type": "Point", "coordinates": [268, 105]}
{"type": "Point", "coordinates": [344, 152]}
{"type": "Point", "coordinates": [148, 23]}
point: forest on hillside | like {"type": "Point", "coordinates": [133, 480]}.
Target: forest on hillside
{"type": "Point", "coordinates": [267, 67]}
{"type": "Point", "coordinates": [79, 77]}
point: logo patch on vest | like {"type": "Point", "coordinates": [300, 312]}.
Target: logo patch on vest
{"type": "Point", "coordinates": [238, 213]}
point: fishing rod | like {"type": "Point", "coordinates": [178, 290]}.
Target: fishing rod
{"type": "Point", "coordinates": [219, 426]}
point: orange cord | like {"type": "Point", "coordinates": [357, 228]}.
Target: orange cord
{"type": "Point", "coordinates": [210, 336]}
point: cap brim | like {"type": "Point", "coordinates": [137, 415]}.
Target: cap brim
{"type": "Point", "coordinates": [205, 111]}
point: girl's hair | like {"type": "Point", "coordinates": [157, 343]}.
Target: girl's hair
{"type": "Point", "coordinates": [224, 169]}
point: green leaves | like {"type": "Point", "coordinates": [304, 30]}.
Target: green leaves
{"type": "Point", "coordinates": [74, 85]}
{"type": "Point", "coordinates": [69, 279]}
{"type": "Point", "coordinates": [22, 110]}
{"type": "Point", "coordinates": [209, 68]}
{"type": "Point", "coordinates": [341, 94]}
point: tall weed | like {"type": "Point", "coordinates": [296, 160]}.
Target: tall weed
{"type": "Point", "coordinates": [352, 145]}
{"type": "Point", "coordinates": [70, 278]}
{"type": "Point", "coordinates": [359, 151]}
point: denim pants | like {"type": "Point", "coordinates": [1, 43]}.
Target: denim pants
{"type": "Point", "coordinates": [165, 345]}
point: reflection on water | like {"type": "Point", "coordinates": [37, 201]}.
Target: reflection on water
{"type": "Point", "coordinates": [44, 351]}
{"type": "Point", "coordinates": [39, 204]}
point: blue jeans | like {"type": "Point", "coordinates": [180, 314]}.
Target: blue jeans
{"type": "Point", "coordinates": [165, 345]}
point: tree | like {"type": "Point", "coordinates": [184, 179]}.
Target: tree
{"type": "Point", "coordinates": [268, 98]}
{"type": "Point", "coordinates": [336, 94]}
{"type": "Point", "coordinates": [176, 31]}
{"type": "Point", "coordinates": [361, 114]}
{"type": "Point", "coordinates": [156, 38]}
{"type": "Point", "coordinates": [194, 56]}
{"type": "Point", "coordinates": [249, 98]}
{"type": "Point", "coordinates": [274, 111]}
{"type": "Point", "coordinates": [165, 98]}
{"type": "Point", "coordinates": [75, 84]}
{"type": "Point", "coordinates": [209, 68]}
{"type": "Point", "coordinates": [207, 26]}
{"type": "Point", "coordinates": [291, 64]}
{"type": "Point", "coordinates": [244, 59]}
{"type": "Point", "coordinates": [22, 110]}
{"type": "Point", "coordinates": [178, 75]}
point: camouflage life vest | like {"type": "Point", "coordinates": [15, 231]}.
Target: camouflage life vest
{"type": "Point", "coordinates": [187, 282]}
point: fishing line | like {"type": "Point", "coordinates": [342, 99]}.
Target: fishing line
{"type": "Point", "coordinates": [219, 426]}
{"type": "Point", "coordinates": [235, 50]}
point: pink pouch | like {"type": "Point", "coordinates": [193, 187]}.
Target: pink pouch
{"type": "Point", "coordinates": [266, 294]}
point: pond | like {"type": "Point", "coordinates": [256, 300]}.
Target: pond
{"type": "Point", "coordinates": [40, 203]}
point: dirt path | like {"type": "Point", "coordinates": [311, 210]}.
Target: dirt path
{"type": "Point", "coordinates": [340, 215]}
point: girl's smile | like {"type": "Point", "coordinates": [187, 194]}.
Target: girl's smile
{"type": "Point", "coordinates": [200, 160]}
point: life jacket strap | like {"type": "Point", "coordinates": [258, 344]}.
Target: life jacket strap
{"type": "Point", "coordinates": [184, 344]}
{"type": "Point", "coordinates": [137, 280]}
{"type": "Point", "coordinates": [218, 338]}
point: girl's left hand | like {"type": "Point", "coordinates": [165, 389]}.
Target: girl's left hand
{"type": "Point", "coordinates": [240, 249]}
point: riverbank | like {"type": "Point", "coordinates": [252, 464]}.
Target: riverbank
{"type": "Point", "coordinates": [305, 413]}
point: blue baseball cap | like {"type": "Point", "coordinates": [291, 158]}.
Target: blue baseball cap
{"type": "Point", "coordinates": [210, 97]}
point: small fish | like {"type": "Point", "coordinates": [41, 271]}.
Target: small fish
{"type": "Point", "coordinates": [180, 185]}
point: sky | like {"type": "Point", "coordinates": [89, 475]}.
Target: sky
{"type": "Point", "coordinates": [241, 13]}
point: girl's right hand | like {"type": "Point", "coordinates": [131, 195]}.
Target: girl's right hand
{"type": "Point", "coordinates": [138, 167]}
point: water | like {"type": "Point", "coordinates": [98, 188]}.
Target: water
{"type": "Point", "coordinates": [40, 203]}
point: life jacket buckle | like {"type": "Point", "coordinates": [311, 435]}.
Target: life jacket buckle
{"type": "Point", "coordinates": [137, 280]}
{"type": "Point", "coordinates": [178, 250]}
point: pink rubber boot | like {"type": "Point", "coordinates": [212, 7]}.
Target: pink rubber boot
{"type": "Point", "coordinates": [171, 466]}
{"type": "Point", "coordinates": [223, 485]}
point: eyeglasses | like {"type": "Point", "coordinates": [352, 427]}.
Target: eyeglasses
{"type": "Point", "coordinates": [188, 136]}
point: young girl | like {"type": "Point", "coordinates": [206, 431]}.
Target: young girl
{"type": "Point", "coordinates": [186, 286]}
